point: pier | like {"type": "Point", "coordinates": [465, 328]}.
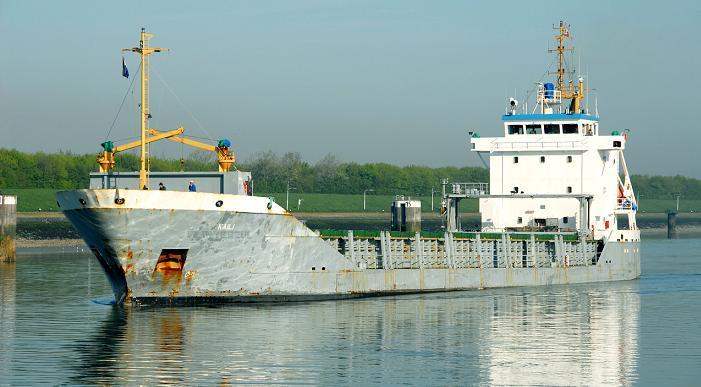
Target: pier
{"type": "Point", "coordinates": [8, 227]}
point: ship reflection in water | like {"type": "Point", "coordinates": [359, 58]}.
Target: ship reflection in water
{"type": "Point", "coordinates": [558, 335]}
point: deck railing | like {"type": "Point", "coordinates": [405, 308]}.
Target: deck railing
{"type": "Point", "coordinates": [424, 250]}
{"type": "Point", "coordinates": [470, 189]}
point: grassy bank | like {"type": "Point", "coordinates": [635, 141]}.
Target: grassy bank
{"type": "Point", "coordinates": [40, 199]}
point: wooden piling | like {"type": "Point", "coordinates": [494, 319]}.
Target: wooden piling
{"type": "Point", "coordinates": [671, 224]}
{"type": "Point", "coordinates": [8, 227]}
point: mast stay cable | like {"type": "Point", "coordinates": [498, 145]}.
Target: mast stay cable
{"type": "Point", "coordinates": [199, 124]}
{"type": "Point", "coordinates": [114, 121]}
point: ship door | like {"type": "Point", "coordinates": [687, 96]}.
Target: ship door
{"type": "Point", "coordinates": [171, 262]}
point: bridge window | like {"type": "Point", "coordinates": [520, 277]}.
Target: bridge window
{"type": "Point", "coordinates": [569, 159]}
{"type": "Point", "coordinates": [515, 129]}
{"type": "Point", "coordinates": [534, 129]}
{"type": "Point", "coordinates": [569, 189]}
{"type": "Point", "coordinates": [570, 128]}
{"type": "Point", "coordinates": [519, 220]}
{"type": "Point", "coordinates": [515, 159]}
{"type": "Point", "coordinates": [542, 159]}
{"type": "Point", "coordinates": [552, 128]}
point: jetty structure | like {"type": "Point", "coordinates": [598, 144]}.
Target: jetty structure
{"type": "Point", "coordinates": [559, 208]}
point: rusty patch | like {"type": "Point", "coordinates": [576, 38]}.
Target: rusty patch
{"type": "Point", "coordinates": [129, 267]}
{"type": "Point", "coordinates": [190, 275]}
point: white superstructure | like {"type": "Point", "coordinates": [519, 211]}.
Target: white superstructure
{"type": "Point", "coordinates": [557, 169]}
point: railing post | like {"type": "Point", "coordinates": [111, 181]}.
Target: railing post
{"type": "Point", "coordinates": [351, 246]}
{"type": "Point", "coordinates": [447, 247]}
{"type": "Point", "coordinates": [390, 259]}
{"type": "Point", "coordinates": [478, 241]}
{"type": "Point", "coordinates": [419, 250]}
{"type": "Point", "coordinates": [383, 250]}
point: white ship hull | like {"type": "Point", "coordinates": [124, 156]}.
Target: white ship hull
{"type": "Point", "coordinates": [181, 247]}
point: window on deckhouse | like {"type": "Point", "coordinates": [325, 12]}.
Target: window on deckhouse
{"type": "Point", "coordinates": [515, 129]}
{"type": "Point", "coordinates": [570, 128]}
{"type": "Point", "coordinates": [551, 129]}
{"type": "Point", "coordinates": [533, 129]}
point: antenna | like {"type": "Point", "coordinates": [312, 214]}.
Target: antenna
{"type": "Point", "coordinates": [586, 89]}
{"type": "Point", "coordinates": [596, 105]}
{"type": "Point", "coordinates": [570, 91]}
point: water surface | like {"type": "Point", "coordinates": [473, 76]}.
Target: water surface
{"type": "Point", "coordinates": [55, 327]}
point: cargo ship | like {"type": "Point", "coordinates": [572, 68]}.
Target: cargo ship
{"type": "Point", "coordinates": [559, 208]}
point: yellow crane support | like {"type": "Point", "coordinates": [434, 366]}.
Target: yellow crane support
{"type": "Point", "coordinates": [106, 158]}
{"type": "Point", "coordinates": [225, 157]}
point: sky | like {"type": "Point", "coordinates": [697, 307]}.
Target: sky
{"type": "Point", "coordinates": [401, 82]}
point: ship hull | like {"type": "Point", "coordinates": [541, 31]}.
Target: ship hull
{"type": "Point", "coordinates": [195, 248]}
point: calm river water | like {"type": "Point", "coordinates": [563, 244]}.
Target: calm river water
{"type": "Point", "coordinates": [57, 327]}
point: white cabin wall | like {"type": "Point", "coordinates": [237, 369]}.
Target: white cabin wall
{"type": "Point", "coordinates": [533, 177]}
{"type": "Point", "coordinates": [500, 213]}
{"type": "Point", "coordinates": [495, 175]}
{"type": "Point", "coordinates": [601, 179]}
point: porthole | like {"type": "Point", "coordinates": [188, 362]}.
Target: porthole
{"type": "Point", "coordinates": [119, 201]}
{"type": "Point", "coordinates": [219, 203]}
{"type": "Point", "coordinates": [82, 201]}
{"type": "Point", "coordinates": [313, 268]}
{"type": "Point", "coordinates": [323, 268]}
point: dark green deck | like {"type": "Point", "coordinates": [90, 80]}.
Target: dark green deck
{"type": "Point", "coordinates": [441, 235]}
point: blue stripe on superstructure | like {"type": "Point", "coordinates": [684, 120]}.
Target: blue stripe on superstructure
{"type": "Point", "coordinates": [548, 117]}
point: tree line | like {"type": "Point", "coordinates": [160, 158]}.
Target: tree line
{"type": "Point", "coordinates": [272, 173]}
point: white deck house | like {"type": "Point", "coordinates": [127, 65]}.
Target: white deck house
{"type": "Point", "coordinates": [556, 171]}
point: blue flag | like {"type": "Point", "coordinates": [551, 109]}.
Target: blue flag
{"type": "Point", "coordinates": [125, 71]}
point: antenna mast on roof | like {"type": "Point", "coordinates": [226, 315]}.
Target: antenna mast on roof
{"type": "Point", "coordinates": [571, 92]}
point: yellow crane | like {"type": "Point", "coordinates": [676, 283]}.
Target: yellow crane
{"type": "Point", "coordinates": [106, 159]}
{"type": "Point", "coordinates": [225, 156]}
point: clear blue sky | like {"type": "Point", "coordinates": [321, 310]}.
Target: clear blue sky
{"type": "Point", "coordinates": [394, 81]}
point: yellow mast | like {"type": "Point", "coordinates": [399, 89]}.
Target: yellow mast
{"type": "Point", "coordinates": [145, 51]}
{"type": "Point", "coordinates": [574, 93]}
